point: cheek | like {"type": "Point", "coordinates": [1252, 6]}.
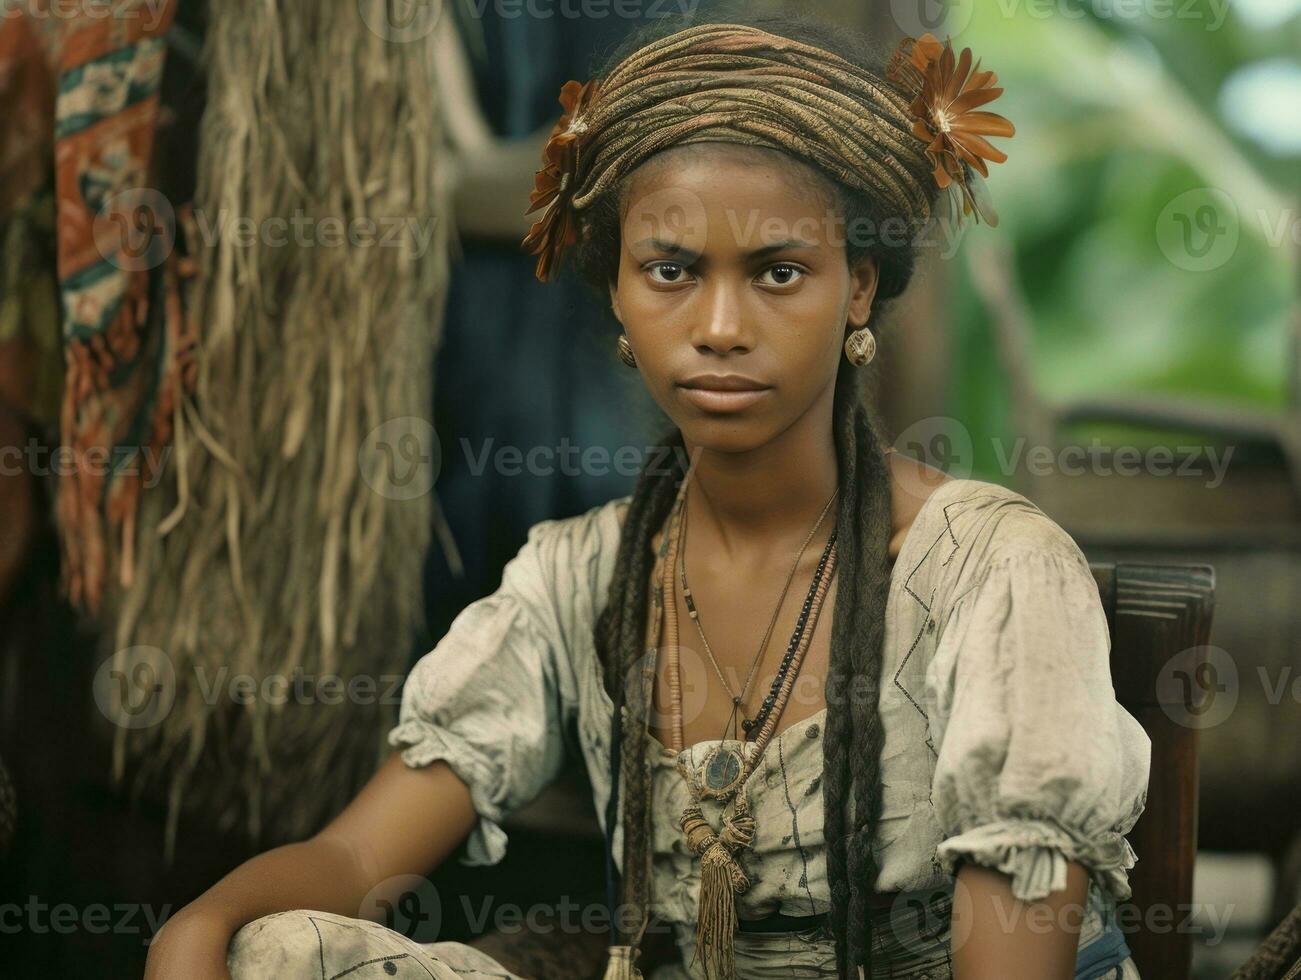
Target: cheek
{"type": "Point", "coordinates": [810, 344]}
{"type": "Point", "coordinates": [650, 327]}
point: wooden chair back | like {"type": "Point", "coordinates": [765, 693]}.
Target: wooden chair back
{"type": "Point", "coordinates": [1160, 620]}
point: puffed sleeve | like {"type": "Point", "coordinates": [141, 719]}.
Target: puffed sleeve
{"type": "Point", "coordinates": [489, 698]}
{"type": "Point", "coordinates": [1038, 764]}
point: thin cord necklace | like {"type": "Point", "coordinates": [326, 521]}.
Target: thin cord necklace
{"type": "Point", "coordinates": [738, 699]}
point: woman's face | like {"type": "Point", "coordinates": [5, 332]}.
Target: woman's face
{"type": "Point", "coordinates": [734, 291]}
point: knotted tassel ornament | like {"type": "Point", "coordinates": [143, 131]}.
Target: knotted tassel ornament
{"type": "Point", "coordinates": [721, 880]}
{"type": "Point", "coordinates": [620, 966]}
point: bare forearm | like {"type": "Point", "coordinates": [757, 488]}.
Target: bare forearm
{"type": "Point", "coordinates": [321, 874]}
{"type": "Point", "coordinates": [316, 874]}
{"type": "Point", "coordinates": [404, 822]}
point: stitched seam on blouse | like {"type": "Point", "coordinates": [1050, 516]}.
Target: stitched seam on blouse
{"type": "Point", "coordinates": [795, 825]}
{"type": "Point", "coordinates": [1008, 552]}
{"type": "Point", "coordinates": [320, 949]}
{"type": "Point", "coordinates": [995, 563]}
{"type": "Point", "coordinates": [921, 629]}
{"type": "Point", "coordinates": [377, 959]}
{"type": "Point", "coordinates": [948, 529]}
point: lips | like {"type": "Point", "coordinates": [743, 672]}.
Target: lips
{"type": "Point", "coordinates": [723, 382]}
{"type": "Point", "coordinates": [723, 392]}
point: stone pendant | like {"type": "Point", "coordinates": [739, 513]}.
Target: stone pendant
{"type": "Point", "coordinates": [721, 772]}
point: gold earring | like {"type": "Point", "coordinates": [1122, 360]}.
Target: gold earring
{"type": "Point", "coordinates": [625, 351]}
{"type": "Point", "coordinates": [860, 347]}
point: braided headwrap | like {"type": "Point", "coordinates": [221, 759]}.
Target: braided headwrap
{"type": "Point", "coordinates": [733, 83]}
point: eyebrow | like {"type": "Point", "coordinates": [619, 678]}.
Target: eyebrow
{"type": "Point", "coordinates": [687, 255]}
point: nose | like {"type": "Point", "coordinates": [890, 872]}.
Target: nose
{"type": "Point", "coordinates": [722, 326]}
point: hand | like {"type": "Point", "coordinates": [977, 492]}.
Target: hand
{"type": "Point", "coordinates": [189, 945]}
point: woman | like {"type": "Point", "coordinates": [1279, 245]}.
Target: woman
{"type": "Point", "coordinates": [931, 780]}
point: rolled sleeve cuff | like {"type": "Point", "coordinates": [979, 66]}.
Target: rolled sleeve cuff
{"type": "Point", "coordinates": [1035, 853]}
{"type": "Point", "coordinates": [423, 744]}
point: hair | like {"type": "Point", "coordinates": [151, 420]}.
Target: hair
{"type": "Point", "coordinates": [854, 735]}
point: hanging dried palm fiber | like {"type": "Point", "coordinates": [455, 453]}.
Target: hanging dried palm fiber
{"type": "Point", "coordinates": [274, 547]}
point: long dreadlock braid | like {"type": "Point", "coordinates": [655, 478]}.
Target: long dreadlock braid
{"type": "Point", "coordinates": [620, 645]}
{"type": "Point", "coordinates": [851, 750]}
{"type": "Point", "coordinates": [854, 735]}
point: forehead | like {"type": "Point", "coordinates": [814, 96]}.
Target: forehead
{"type": "Point", "coordinates": [722, 195]}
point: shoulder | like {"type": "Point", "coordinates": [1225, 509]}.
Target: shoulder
{"type": "Point", "coordinates": [569, 561]}
{"type": "Point", "coordinates": [969, 513]}
{"type": "Point", "coordinates": [967, 529]}
{"type": "Point", "coordinates": [995, 522]}
{"type": "Point", "coordinates": [595, 529]}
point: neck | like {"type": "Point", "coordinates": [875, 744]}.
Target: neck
{"type": "Point", "coordinates": [766, 495]}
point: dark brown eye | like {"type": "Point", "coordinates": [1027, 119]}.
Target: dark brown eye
{"type": "Point", "coordinates": [785, 268]}
{"type": "Point", "coordinates": [672, 266]}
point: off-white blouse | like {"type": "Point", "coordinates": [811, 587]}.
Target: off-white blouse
{"type": "Point", "coordinates": [1004, 743]}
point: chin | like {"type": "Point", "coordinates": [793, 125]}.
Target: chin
{"type": "Point", "coordinates": [725, 434]}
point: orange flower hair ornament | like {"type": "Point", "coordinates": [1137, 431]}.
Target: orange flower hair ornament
{"type": "Point", "coordinates": [948, 92]}
{"type": "Point", "coordinates": [553, 185]}
{"type": "Point", "coordinates": [924, 116]}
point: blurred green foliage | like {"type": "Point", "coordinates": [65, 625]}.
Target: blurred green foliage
{"type": "Point", "coordinates": [1120, 128]}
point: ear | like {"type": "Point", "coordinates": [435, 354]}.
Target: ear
{"type": "Point", "coordinates": [863, 281]}
{"type": "Point", "coordinates": [614, 300]}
